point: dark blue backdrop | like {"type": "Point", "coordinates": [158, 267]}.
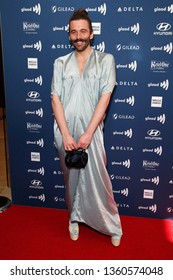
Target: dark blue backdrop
{"type": "Point", "coordinates": [138, 129]}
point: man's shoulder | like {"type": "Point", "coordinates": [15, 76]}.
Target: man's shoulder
{"type": "Point", "coordinates": [104, 55]}
{"type": "Point", "coordinates": [63, 57]}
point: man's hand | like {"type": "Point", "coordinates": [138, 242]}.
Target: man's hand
{"type": "Point", "coordinates": [69, 143]}
{"type": "Point", "coordinates": [84, 140]}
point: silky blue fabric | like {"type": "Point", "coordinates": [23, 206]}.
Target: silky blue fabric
{"type": "Point", "coordinates": [89, 193]}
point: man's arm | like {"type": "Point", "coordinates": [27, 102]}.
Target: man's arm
{"type": "Point", "coordinates": [99, 113]}
{"type": "Point", "coordinates": [68, 140]}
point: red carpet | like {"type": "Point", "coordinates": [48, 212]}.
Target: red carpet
{"type": "Point", "coordinates": [42, 234]}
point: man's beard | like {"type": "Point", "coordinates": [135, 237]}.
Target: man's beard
{"type": "Point", "coordinates": [83, 47]}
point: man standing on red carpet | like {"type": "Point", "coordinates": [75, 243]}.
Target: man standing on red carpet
{"type": "Point", "coordinates": [81, 88]}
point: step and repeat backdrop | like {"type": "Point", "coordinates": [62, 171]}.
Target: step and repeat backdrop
{"type": "Point", "coordinates": [139, 124]}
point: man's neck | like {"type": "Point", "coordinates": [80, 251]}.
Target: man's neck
{"type": "Point", "coordinates": [84, 54]}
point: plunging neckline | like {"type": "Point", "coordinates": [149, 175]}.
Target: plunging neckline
{"type": "Point", "coordinates": [85, 64]}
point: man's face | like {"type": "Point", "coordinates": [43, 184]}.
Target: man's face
{"type": "Point", "coordinates": [80, 35]}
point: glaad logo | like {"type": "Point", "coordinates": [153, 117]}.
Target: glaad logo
{"type": "Point", "coordinates": [132, 66]}
{"type": "Point", "coordinates": [38, 112]}
{"type": "Point", "coordinates": [39, 142]}
{"type": "Point", "coordinates": [100, 47]}
{"type": "Point", "coordinates": [36, 9]}
{"type": "Point", "coordinates": [154, 180]}
{"type": "Point", "coordinates": [161, 119]}
{"type": "Point", "coordinates": [125, 163]}
{"type": "Point", "coordinates": [164, 9]}
{"type": "Point", "coordinates": [135, 29]}
{"type": "Point", "coordinates": [40, 171]}
{"type": "Point", "coordinates": [38, 80]}
{"type": "Point", "coordinates": [37, 46]}
{"type": "Point", "coordinates": [101, 9]}
{"type": "Point", "coordinates": [167, 48]}
{"type": "Point", "coordinates": [127, 133]}
{"type": "Point", "coordinates": [169, 209]}
{"type": "Point", "coordinates": [124, 192]}
{"type": "Point", "coordinates": [42, 197]}
{"type": "Point", "coordinates": [157, 150]}
{"type": "Point", "coordinates": [130, 101]}
{"type": "Point", "coordinates": [164, 84]}
{"type": "Point", "coordinates": [152, 208]}
{"type": "Point", "coordinates": [61, 28]}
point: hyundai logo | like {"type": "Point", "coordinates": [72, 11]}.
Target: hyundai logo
{"type": "Point", "coordinates": [163, 26]}
{"type": "Point", "coordinates": [153, 132]}
{"type": "Point", "coordinates": [36, 183]}
{"type": "Point", "coordinates": [33, 94]}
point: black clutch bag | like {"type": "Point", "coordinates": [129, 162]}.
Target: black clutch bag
{"type": "Point", "coordinates": [76, 159]}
